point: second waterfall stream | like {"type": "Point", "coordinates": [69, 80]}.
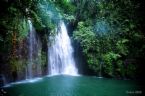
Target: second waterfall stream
{"type": "Point", "coordinates": [60, 54]}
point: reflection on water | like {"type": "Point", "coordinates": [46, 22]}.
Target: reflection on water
{"type": "Point", "coordinates": [64, 85]}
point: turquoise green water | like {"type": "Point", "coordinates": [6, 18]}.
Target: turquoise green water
{"type": "Point", "coordinates": [74, 86]}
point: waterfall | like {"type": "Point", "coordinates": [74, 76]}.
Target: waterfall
{"type": "Point", "coordinates": [34, 51]}
{"type": "Point", "coordinates": [60, 54]}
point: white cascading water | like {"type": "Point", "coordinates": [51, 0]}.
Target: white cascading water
{"type": "Point", "coordinates": [34, 48]}
{"type": "Point", "coordinates": [60, 54]}
{"type": "Point", "coordinates": [31, 41]}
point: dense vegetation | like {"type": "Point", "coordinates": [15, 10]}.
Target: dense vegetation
{"type": "Point", "coordinates": [111, 37]}
{"type": "Point", "coordinates": [110, 32]}
{"type": "Point", "coordinates": [14, 33]}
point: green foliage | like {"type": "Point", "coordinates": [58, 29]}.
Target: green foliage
{"type": "Point", "coordinates": [14, 19]}
{"type": "Point", "coordinates": [109, 60]}
{"type": "Point", "coordinates": [85, 9]}
{"type": "Point", "coordinates": [93, 62]}
{"type": "Point", "coordinates": [23, 29]}
{"type": "Point", "coordinates": [17, 65]}
{"type": "Point", "coordinates": [122, 46]}
{"type": "Point", "coordinates": [87, 39]}
{"type": "Point", "coordinates": [131, 70]}
{"type": "Point", "coordinates": [66, 6]}
{"type": "Point", "coordinates": [70, 18]}
{"type": "Point", "coordinates": [107, 31]}
{"type": "Point", "coordinates": [43, 58]}
{"type": "Point", "coordinates": [86, 36]}
{"type": "Point", "coordinates": [36, 20]}
{"type": "Point", "coordinates": [120, 69]}
{"type": "Point", "coordinates": [110, 34]}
